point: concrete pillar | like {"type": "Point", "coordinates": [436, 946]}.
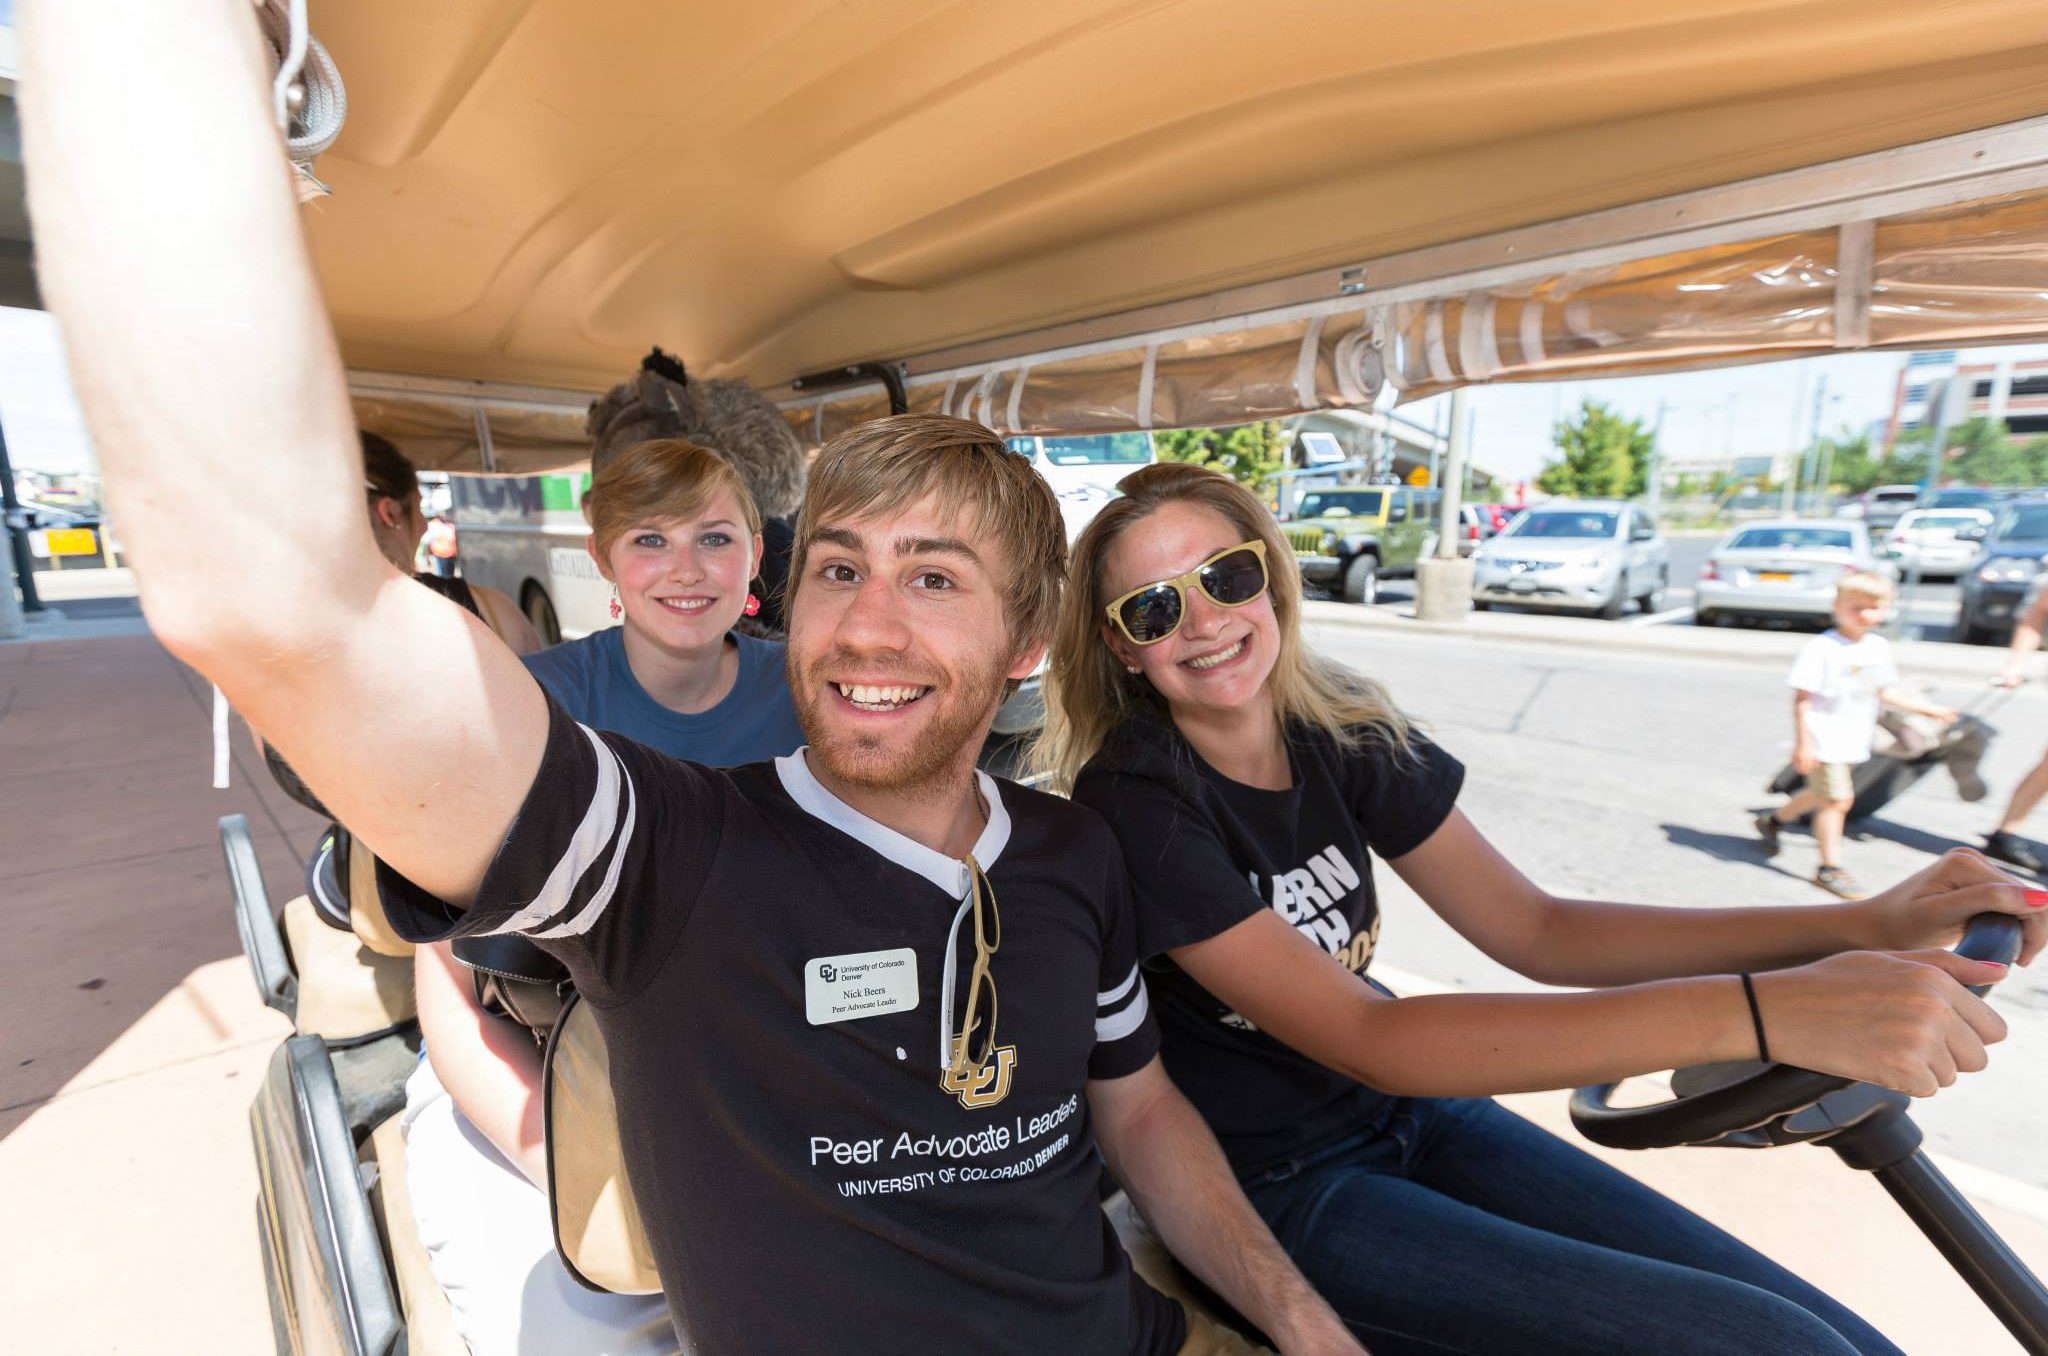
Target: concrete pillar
{"type": "Point", "coordinates": [1443, 583]}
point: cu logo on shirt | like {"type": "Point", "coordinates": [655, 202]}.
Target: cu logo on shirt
{"type": "Point", "coordinates": [977, 1088]}
{"type": "Point", "coordinates": [827, 972]}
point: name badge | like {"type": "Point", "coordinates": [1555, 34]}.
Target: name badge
{"type": "Point", "coordinates": [865, 984]}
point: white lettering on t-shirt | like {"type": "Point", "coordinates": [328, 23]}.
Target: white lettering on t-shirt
{"type": "Point", "coordinates": [1337, 876]}
{"type": "Point", "coordinates": [1044, 1134]}
{"type": "Point", "coordinates": [1311, 896]}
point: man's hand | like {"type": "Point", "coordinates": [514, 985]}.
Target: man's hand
{"type": "Point", "coordinates": [1903, 1021]}
{"type": "Point", "coordinates": [1931, 907]}
{"type": "Point", "coordinates": [1803, 760]}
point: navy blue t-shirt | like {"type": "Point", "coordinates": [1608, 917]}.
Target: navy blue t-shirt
{"type": "Point", "coordinates": [1205, 853]}
{"type": "Point", "coordinates": [753, 722]}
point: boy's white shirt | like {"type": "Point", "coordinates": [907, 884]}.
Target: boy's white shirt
{"type": "Point", "coordinates": [1846, 680]}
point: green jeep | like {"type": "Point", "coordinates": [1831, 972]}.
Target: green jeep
{"type": "Point", "coordinates": [1348, 538]}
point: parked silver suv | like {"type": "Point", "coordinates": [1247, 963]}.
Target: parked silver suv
{"type": "Point", "coordinates": [1589, 555]}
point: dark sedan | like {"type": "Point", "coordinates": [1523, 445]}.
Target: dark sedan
{"type": "Point", "coordinates": [1997, 582]}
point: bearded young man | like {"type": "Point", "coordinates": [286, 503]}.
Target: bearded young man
{"type": "Point", "coordinates": [840, 1136]}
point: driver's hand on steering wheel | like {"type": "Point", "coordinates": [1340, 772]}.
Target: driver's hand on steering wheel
{"type": "Point", "coordinates": [1901, 1020]}
{"type": "Point", "coordinates": [1930, 907]}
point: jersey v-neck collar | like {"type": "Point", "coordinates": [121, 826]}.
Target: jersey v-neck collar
{"type": "Point", "coordinates": [948, 873]}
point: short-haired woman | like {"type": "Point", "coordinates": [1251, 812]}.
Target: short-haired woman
{"type": "Point", "coordinates": [675, 532]}
{"type": "Point", "coordinates": [1250, 782]}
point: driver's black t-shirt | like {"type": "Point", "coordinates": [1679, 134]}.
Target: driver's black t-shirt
{"type": "Point", "coordinates": [1205, 853]}
{"type": "Point", "coordinates": [777, 977]}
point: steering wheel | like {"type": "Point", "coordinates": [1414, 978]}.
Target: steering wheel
{"type": "Point", "coordinates": [1718, 1101]}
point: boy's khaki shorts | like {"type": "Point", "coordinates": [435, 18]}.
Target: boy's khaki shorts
{"type": "Point", "coordinates": [1834, 781]}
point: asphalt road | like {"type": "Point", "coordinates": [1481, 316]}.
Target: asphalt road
{"type": "Point", "coordinates": [1633, 777]}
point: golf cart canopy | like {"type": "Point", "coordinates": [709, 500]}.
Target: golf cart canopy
{"type": "Point", "coordinates": [1086, 215]}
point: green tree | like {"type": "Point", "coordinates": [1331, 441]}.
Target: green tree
{"type": "Point", "coordinates": [1983, 453]}
{"type": "Point", "coordinates": [1850, 465]}
{"type": "Point", "coordinates": [2035, 450]}
{"type": "Point", "coordinates": [1247, 453]}
{"type": "Point", "coordinates": [1602, 455]}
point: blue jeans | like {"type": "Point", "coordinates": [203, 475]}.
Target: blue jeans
{"type": "Point", "coordinates": [1458, 1227]}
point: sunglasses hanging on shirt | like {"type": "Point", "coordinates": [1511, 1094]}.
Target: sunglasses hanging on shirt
{"type": "Point", "coordinates": [968, 1056]}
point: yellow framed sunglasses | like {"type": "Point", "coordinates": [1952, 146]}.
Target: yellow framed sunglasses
{"type": "Point", "coordinates": [1230, 578]}
{"type": "Point", "coordinates": [966, 1058]}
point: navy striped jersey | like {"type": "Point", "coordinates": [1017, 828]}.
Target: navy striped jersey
{"type": "Point", "coordinates": [778, 978]}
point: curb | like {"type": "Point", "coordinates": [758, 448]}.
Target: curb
{"type": "Point", "coordinates": [1979, 1184]}
{"type": "Point", "coordinates": [1756, 648]}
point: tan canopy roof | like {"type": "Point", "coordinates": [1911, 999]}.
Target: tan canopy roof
{"type": "Point", "coordinates": [534, 191]}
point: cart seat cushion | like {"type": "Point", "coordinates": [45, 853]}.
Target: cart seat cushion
{"type": "Point", "coordinates": [429, 1322]}
{"type": "Point", "coordinates": [346, 990]}
{"type": "Point", "coordinates": [598, 1231]}
{"type": "Point", "coordinates": [366, 905]}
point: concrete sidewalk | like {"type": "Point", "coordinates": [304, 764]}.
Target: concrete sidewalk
{"type": "Point", "coordinates": [133, 1043]}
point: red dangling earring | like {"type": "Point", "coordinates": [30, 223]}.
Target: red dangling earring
{"type": "Point", "coordinates": [618, 609]}
{"type": "Point", "coordinates": [753, 607]}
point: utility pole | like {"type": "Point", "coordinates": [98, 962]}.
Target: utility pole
{"type": "Point", "coordinates": [1901, 617]}
{"type": "Point", "coordinates": [1811, 458]}
{"type": "Point", "coordinates": [1436, 448]}
{"type": "Point", "coordinates": [1655, 477]}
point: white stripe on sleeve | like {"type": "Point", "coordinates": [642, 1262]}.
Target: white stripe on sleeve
{"type": "Point", "coordinates": [597, 829]}
{"type": "Point", "coordinates": [1103, 1000]}
{"type": "Point", "coordinates": [601, 900]}
{"type": "Point", "coordinates": [1123, 1023]}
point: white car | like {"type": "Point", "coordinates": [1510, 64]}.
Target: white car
{"type": "Point", "coordinates": [1939, 541]}
{"type": "Point", "coordinates": [1881, 507]}
{"type": "Point", "coordinates": [1784, 568]}
{"type": "Point", "coordinates": [1592, 555]}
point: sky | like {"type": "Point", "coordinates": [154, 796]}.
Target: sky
{"type": "Point", "coordinates": [1755, 411]}
{"type": "Point", "coordinates": [45, 430]}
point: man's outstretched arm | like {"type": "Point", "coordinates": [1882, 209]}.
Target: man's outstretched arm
{"type": "Point", "coordinates": [168, 245]}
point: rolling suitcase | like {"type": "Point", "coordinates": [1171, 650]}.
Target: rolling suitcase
{"type": "Point", "coordinates": [1915, 748]}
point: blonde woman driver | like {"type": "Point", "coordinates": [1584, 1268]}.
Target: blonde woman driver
{"type": "Point", "coordinates": [674, 529]}
{"type": "Point", "coordinates": [1251, 783]}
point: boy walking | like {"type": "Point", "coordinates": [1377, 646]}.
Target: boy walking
{"type": "Point", "coordinates": [1840, 683]}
